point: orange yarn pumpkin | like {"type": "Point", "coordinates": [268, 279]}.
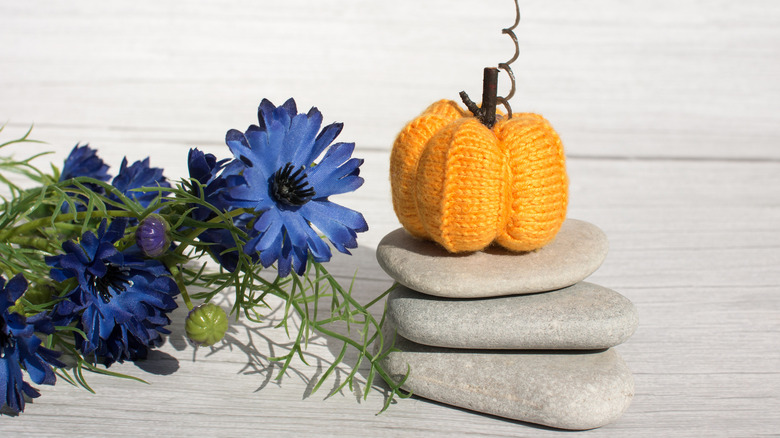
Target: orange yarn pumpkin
{"type": "Point", "coordinates": [465, 186]}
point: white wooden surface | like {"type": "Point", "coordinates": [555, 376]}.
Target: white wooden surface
{"type": "Point", "coordinates": [668, 110]}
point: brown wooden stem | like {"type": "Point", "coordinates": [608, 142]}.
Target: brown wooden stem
{"type": "Point", "coordinates": [486, 114]}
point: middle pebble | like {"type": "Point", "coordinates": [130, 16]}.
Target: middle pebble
{"type": "Point", "coordinates": [580, 317]}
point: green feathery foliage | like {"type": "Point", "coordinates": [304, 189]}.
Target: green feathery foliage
{"type": "Point", "coordinates": [38, 215]}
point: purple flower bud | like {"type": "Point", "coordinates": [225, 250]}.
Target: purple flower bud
{"type": "Point", "coordinates": [153, 236]}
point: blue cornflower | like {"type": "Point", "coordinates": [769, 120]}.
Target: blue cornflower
{"type": "Point", "coordinates": [136, 176]}
{"type": "Point", "coordinates": [21, 349]}
{"type": "Point", "coordinates": [121, 300]}
{"type": "Point", "coordinates": [83, 161]}
{"type": "Point", "coordinates": [207, 171]}
{"type": "Point", "coordinates": [274, 173]}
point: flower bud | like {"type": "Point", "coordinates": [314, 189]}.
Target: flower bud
{"type": "Point", "coordinates": [206, 324]}
{"type": "Point", "coordinates": [40, 294]}
{"type": "Point", "coordinates": [36, 295]}
{"type": "Point", "coordinates": [153, 236]}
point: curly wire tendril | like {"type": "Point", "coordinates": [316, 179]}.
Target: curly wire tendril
{"type": "Point", "coordinates": [506, 65]}
{"type": "Point", "coordinates": [487, 113]}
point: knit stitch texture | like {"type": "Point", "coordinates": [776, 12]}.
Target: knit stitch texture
{"type": "Point", "coordinates": [465, 186]}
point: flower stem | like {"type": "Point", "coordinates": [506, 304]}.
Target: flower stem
{"type": "Point", "coordinates": [38, 243]}
{"type": "Point", "coordinates": [35, 224]}
{"type": "Point", "coordinates": [179, 278]}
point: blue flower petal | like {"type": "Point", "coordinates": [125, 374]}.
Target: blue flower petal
{"type": "Point", "coordinates": [83, 161]}
{"type": "Point", "coordinates": [115, 231]}
{"type": "Point", "coordinates": [198, 165]}
{"type": "Point", "coordinates": [136, 176]}
{"type": "Point", "coordinates": [71, 261]}
{"type": "Point", "coordinates": [276, 134]}
{"type": "Point", "coordinates": [285, 257]}
{"type": "Point", "coordinates": [319, 249]}
{"type": "Point", "coordinates": [300, 138]}
{"type": "Point", "coordinates": [12, 384]}
{"type": "Point", "coordinates": [290, 106]}
{"type": "Point", "coordinates": [39, 371]}
{"type": "Point", "coordinates": [273, 242]}
{"type": "Point", "coordinates": [89, 243]}
{"type": "Point", "coordinates": [282, 116]}
{"type": "Point", "coordinates": [203, 167]}
{"type": "Point", "coordinates": [15, 287]}
{"type": "Point", "coordinates": [295, 228]}
{"type": "Point", "coordinates": [325, 138]}
{"type": "Point", "coordinates": [306, 153]}
{"type": "Point", "coordinates": [336, 173]}
{"type": "Point", "coordinates": [265, 113]}
{"type": "Point", "coordinates": [257, 139]}
{"type": "Point", "coordinates": [339, 224]}
{"type": "Point", "coordinates": [337, 154]}
{"type": "Point", "coordinates": [238, 143]}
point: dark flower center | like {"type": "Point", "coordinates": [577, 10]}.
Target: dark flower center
{"type": "Point", "coordinates": [116, 280]}
{"type": "Point", "coordinates": [6, 340]}
{"type": "Point", "coordinates": [290, 187]}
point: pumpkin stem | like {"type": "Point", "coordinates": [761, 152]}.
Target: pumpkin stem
{"type": "Point", "coordinates": [486, 114]}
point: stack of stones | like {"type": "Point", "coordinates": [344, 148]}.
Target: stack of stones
{"type": "Point", "coordinates": [517, 335]}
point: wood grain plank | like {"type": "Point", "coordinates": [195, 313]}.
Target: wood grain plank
{"type": "Point", "coordinates": [669, 115]}
{"type": "Point", "coordinates": [637, 79]}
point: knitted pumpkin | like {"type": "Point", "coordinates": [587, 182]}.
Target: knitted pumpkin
{"type": "Point", "coordinates": [465, 186]}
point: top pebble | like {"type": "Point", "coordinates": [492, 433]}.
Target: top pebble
{"type": "Point", "coordinates": [576, 252]}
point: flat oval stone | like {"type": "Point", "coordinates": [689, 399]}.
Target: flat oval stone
{"type": "Point", "coordinates": [577, 251]}
{"type": "Point", "coordinates": [585, 316]}
{"type": "Point", "coordinates": [568, 391]}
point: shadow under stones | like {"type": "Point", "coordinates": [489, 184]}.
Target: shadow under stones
{"type": "Point", "coordinates": [496, 417]}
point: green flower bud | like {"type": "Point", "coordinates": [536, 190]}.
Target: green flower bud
{"type": "Point", "coordinates": [39, 294]}
{"type": "Point", "coordinates": [35, 295]}
{"type": "Point", "coordinates": [206, 324]}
